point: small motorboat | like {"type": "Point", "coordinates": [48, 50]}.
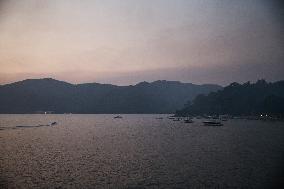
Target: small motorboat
{"type": "Point", "coordinates": [117, 117]}
{"type": "Point", "coordinates": [40, 125]}
{"type": "Point", "coordinates": [53, 123]}
{"type": "Point", "coordinates": [171, 117]}
{"type": "Point", "coordinates": [177, 119]}
{"type": "Point", "coordinates": [188, 120]}
{"type": "Point", "coordinates": [212, 123]}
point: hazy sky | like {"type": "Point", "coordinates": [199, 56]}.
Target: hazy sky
{"type": "Point", "coordinates": [124, 42]}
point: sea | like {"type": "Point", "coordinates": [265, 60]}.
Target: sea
{"type": "Point", "coordinates": [138, 151]}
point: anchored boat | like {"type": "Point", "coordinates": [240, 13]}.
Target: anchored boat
{"type": "Point", "coordinates": [212, 123]}
{"type": "Point", "coordinates": [188, 120]}
{"type": "Point", "coordinates": [117, 117]}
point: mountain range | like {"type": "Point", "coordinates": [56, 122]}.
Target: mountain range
{"type": "Point", "coordinates": [260, 98]}
{"type": "Point", "coordinates": [40, 95]}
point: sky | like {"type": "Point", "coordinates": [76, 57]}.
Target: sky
{"type": "Point", "coordinates": [128, 41]}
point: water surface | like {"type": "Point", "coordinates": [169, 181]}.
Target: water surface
{"type": "Point", "coordinates": [138, 151]}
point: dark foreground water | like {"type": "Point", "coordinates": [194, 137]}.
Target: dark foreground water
{"type": "Point", "coordinates": [138, 151]}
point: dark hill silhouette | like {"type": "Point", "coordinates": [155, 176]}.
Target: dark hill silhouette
{"type": "Point", "coordinates": [236, 99]}
{"type": "Point", "coordinates": [32, 95]}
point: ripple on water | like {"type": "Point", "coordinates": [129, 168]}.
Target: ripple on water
{"type": "Point", "coordinates": [138, 151]}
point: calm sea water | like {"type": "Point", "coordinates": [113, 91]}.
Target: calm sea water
{"type": "Point", "coordinates": [138, 151]}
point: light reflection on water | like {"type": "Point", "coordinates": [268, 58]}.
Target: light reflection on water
{"type": "Point", "coordinates": [138, 151]}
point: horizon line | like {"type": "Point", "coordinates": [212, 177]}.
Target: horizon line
{"type": "Point", "coordinates": [153, 81]}
{"type": "Point", "coordinates": [50, 78]}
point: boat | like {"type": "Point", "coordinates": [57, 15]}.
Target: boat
{"type": "Point", "coordinates": [188, 120]}
{"type": "Point", "coordinates": [177, 119]}
{"type": "Point", "coordinates": [171, 117]}
{"type": "Point", "coordinates": [53, 123]}
{"type": "Point", "coordinates": [40, 125]}
{"type": "Point", "coordinates": [30, 126]}
{"type": "Point", "coordinates": [212, 123]}
{"type": "Point", "coordinates": [117, 117]}
{"type": "Point", "coordinates": [224, 117]}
